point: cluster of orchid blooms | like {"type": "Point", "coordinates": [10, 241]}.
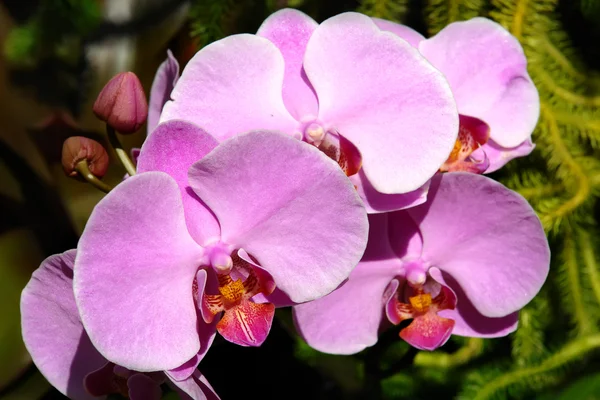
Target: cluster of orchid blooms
{"type": "Point", "coordinates": [334, 168]}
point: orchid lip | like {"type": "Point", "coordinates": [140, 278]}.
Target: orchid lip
{"type": "Point", "coordinates": [473, 134]}
{"type": "Point", "coordinates": [243, 321]}
{"type": "Point", "coordinates": [420, 300]}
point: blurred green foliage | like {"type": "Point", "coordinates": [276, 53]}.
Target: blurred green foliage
{"type": "Point", "coordinates": [55, 30]}
{"type": "Point", "coordinates": [591, 9]}
{"type": "Point", "coordinates": [19, 256]}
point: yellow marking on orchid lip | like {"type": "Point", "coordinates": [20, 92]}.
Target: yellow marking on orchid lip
{"type": "Point", "coordinates": [233, 292]}
{"type": "Point", "coordinates": [455, 151]}
{"type": "Point", "coordinates": [420, 302]}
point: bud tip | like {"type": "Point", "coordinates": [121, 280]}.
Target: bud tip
{"type": "Point", "coordinates": [122, 103]}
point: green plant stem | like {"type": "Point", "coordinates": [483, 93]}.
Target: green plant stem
{"type": "Point", "coordinates": [589, 260]}
{"type": "Point", "coordinates": [438, 359]}
{"type": "Point", "coordinates": [121, 153]}
{"type": "Point", "coordinates": [560, 58]}
{"type": "Point", "coordinates": [570, 352]}
{"type": "Point", "coordinates": [572, 271]}
{"type": "Point", "coordinates": [568, 96]}
{"type": "Point", "coordinates": [540, 191]}
{"type": "Point", "coordinates": [84, 171]}
{"type": "Point", "coordinates": [561, 151]}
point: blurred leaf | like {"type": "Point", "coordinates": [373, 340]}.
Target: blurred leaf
{"type": "Point", "coordinates": [591, 9]}
{"type": "Point", "coordinates": [346, 371]}
{"type": "Point", "coordinates": [55, 24]}
{"type": "Point", "coordinates": [586, 388]}
{"type": "Point", "coordinates": [398, 386]}
{"type": "Point", "coordinates": [171, 396]}
{"type": "Point", "coordinates": [20, 46]}
{"type": "Point", "coordinates": [274, 5]}
{"type": "Point", "coordinates": [32, 387]}
{"type": "Point", "coordinates": [19, 256]}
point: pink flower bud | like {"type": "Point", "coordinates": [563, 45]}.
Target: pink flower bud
{"type": "Point", "coordinates": [79, 148]}
{"type": "Point", "coordinates": [122, 103]}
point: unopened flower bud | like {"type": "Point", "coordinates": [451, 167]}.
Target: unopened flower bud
{"type": "Point", "coordinates": [122, 103]}
{"type": "Point", "coordinates": [78, 148]}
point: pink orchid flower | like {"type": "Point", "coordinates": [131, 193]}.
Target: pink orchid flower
{"type": "Point", "coordinates": [363, 96]}
{"type": "Point", "coordinates": [457, 264]}
{"type": "Point", "coordinates": [164, 81]}
{"type": "Point", "coordinates": [209, 237]}
{"type": "Point", "coordinates": [62, 351]}
{"type": "Point", "coordinates": [498, 103]}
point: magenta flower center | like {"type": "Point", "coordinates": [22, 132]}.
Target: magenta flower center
{"type": "Point", "coordinates": [244, 321]}
{"type": "Point", "coordinates": [473, 133]}
{"type": "Point", "coordinates": [420, 299]}
{"type": "Point", "coordinates": [335, 146]}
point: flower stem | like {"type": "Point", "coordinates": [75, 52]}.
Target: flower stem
{"type": "Point", "coordinates": [573, 350]}
{"type": "Point", "coordinates": [84, 170]}
{"type": "Point", "coordinates": [438, 359]}
{"type": "Point", "coordinates": [121, 153]}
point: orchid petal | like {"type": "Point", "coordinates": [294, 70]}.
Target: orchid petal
{"type": "Point", "coordinates": [487, 71]}
{"type": "Point", "coordinates": [137, 260]}
{"type": "Point", "coordinates": [185, 370]}
{"type": "Point", "coordinates": [196, 387]}
{"type": "Point", "coordinates": [347, 320]}
{"type": "Point", "coordinates": [232, 86]}
{"type": "Point", "coordinates": [164, 81]}
{"type": "Point", "coordinates": [52, 330]}
{"type": "Point", "coordinates": [469, 321]}
{"type": "Point", "coordinates": [382, 95]}
{"type": "Point", "coordinates": [172, 148]}
{"type": "Point", "coordinates": [289, 206]}
{"type": "Point", "coordinates": [290, 30]}
{"type": "Point", "coordinates": [404, 236]}
{"type": "Point", "coordinates": [376, 202]}
{"type": "Point", "coordinates": [410, 35]}
{"type": "Point", "coordinates": [485, 236]}
{"type": "Point", "coordinates": [499, 156]}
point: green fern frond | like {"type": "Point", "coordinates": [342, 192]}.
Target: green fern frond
{"type": "Point", "coordinates": [208, 18]}
{"type": "Point", "coordinates": [440, 13]}
{"type": "Point", "coordinates": [568, 282]}
{"type": "Point", "coordinates": [393, 10]}
{"type": "Point", "coordinates": [590, 273]}
{"type": "Point", "coordinates": [531, 378]}
{"type": "Point", "coordinates": [528, 341]}
{"type": "Point", "coordinates": [477, 378]}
